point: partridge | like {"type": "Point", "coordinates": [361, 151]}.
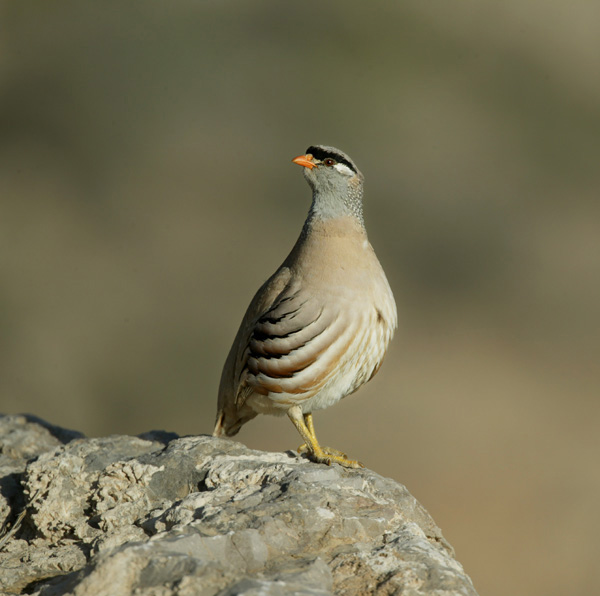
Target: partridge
{"type": "Point", "coordinates": [320, 326]}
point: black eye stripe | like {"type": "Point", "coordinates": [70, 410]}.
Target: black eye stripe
{"type": "Point", "coordinates": [322, 154]}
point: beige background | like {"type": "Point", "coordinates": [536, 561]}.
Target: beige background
{"type": "Point", "coordinates": [147, 191]}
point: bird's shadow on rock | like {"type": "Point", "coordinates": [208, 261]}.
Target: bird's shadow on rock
{"type": "Point", "coordinates": [63, 435]}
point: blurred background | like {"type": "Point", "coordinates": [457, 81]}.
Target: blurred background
{"type": "Point", "coordinates": [146, 191]}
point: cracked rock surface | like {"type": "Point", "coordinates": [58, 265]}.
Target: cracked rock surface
{"type": "Point", "coordinates": [163, 515]}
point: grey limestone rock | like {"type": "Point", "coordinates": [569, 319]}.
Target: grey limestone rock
{"type": "Point", "coordinates": [162, 515]}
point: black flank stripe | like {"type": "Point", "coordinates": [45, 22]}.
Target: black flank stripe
{"type": "Point", "coordinates": [258, 336]}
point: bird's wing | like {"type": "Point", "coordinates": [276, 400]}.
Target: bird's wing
{"type": "Point", "coordinates": [293, 347]}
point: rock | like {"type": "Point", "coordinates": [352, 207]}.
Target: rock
{"type": "Point", "coordinates": [160, 515]}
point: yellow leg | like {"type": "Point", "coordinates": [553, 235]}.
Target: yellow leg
{"type": "Point", "coordinates": [308, 420]}
{"type": "Point", "coordinates": [310, 424]}
{"type": "Point", "coordinates": [304, 425]}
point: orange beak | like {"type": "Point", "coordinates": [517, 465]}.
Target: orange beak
{"type": "Point", "coordinates": [305, 160]}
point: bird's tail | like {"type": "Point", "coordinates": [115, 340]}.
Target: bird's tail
{"type": "Point", "coordinates": [219, 430]}
{"type": "Point", "coordinates": [227, 426]}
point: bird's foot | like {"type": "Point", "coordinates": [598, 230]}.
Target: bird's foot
{"type": "Point", "coordinates": [328, 455]}
{"type": "Point", "coordinates": [328, 458]}
{"type": "Point", "coordinates": [326, 450]}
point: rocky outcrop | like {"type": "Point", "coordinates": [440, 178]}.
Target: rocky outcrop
{"type": "Point", "coordinates": [164, 515]}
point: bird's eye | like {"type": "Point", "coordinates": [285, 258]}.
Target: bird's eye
{"type": "Point", "coordinates": [329, 161]}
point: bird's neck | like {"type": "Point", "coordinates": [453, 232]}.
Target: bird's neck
{"type": "Point", "coordinates": [328, 206]}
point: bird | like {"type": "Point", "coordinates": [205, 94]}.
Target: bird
{"type": "Point", "coordinates": [319, 327]}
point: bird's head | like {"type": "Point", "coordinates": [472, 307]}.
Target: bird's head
{"type": "Point", "coordinates": [336, 181]}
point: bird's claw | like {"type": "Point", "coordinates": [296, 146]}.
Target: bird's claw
{"type": "Point", "coordinates": [328, 455]}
